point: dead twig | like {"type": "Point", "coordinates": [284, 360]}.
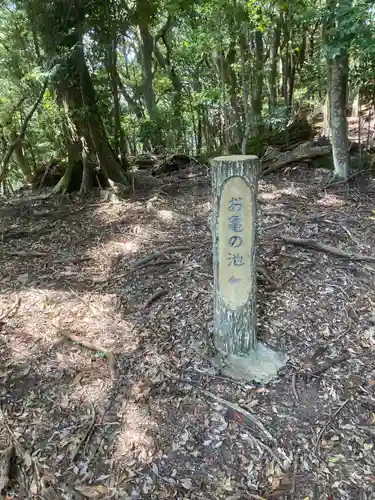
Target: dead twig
{"type": "Point", "coordinates": [249, 416]}
{"type": "Point", "coordinates": [94, 347]}
{"type": "Point", "coordinates": [327, 365]}
{"type": "Point", "coordinates": [330, 184]}
{"type": "Point", "coordinates": [324, 428]}
{"type": "Point", "coordinates": [18, 448]}
{"type": "Point", "coordinates": [26, 254]}
{"type": "Point", "coordinates": [276, 212]}
{"type": "Point", "coordinates": [321, 247]}
{"type": "Point", "coordinates": [157, 295]}
{"type": "Point", "coordinates": [273, 226]}
{"type": "Point", "coordinates": [261, 270]}
{"type": "Point", "coordinates": [294, 477]}
{"type": "Point", "coordinates": [158, 262]}
{"type": "Point", "coordinates": [271, 452]}
{"type": "Point", "coordinates": [294, 389]}
{"type": "Point", "coordinates": [87, 434]}
{"type": "Point", "coordinates": [12, 310]}
{"type": "Point", "coordinates": [157, 255]}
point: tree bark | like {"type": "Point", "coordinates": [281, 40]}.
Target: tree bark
{"type": "Point", "coordinates": [105, 156]}
{"type": "Point", "coordinates": [119, 137]}
{"type": "Point", "coordinates": [258, 83]}
{"type": "Point", "coordinates": [339, 123]}
{"type": "Point", "coordinates": [235, 180]}
{"type": "Point", "coordinates": [20, 158]}
{"type": "Point", "coordinates": [275, 43]}
{"type": "Point", "coordinates": [234, 238]}
{"type": "Point", "coordinates": [7, 156]}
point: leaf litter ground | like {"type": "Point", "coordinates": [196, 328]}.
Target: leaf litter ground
{"type": "Point", "coordinates": [105, 325]}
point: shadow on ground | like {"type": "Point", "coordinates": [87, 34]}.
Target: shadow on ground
{"type": "Point", "coordinates": [152, 429]}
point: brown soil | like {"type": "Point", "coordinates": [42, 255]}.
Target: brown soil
{"type": "Point", "coordinates": [145, 427]}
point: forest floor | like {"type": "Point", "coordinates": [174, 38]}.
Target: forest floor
{"type": "Point", "coordinates": [107, 390]}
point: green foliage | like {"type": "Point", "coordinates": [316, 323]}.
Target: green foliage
{"type": "Point", "coordinates": [198, 90]}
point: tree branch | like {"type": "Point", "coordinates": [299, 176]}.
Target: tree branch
{"type": "Point", "coordinates": [164, 29]}
{"type": "Point", "coordinates": [21, 135]}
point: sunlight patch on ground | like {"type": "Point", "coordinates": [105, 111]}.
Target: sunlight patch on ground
{"type": "Point", "coordinates": [42, 315]}
{"type": "Point", "coordinates": [330, 200]}
{"type": "Point", "coordinates": [135, 437]}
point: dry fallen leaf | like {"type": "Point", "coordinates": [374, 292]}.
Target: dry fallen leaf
{"type": "Point", "coordinates": [5, 458]}
{"type": "Point", "coordinates": [93, 491]}
{"type": "Point", "coordinates": [186, 483]}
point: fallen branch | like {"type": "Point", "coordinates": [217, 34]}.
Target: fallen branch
{"type": "Point", "coordinates": [26, 254]}
{"type": "Point", "coordinates": [156, 255]}
{"type": "Point", "coordinates": [12, 310]}
{"type": "Point", "coordinates": [261, 270]}
{"type": "Point", "coordinates": [294, 389]}
{"type": "Point", "coordinates": [10, 235]}
{"type": "Point", "coordinates": [321, 247]}
{"type": "Point", "coordinates": [247, 415]}
{"type": "Point", "coordinates": [335, 183]}
{"type": "Point", "coordinates": [94, 347]}
{"type": "Point", "coordinates": [324, 428]}
{"type": "Point", "coordinates": [327, 365]}
{"type": "Point", "coordinates": [87, 433]}
{"type": "Point", "coordinates": [155, 296]}
{"type": "Point", "coordinates": [304, 151]}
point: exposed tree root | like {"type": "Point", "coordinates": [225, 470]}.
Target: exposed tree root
{"type": "Point", "coordinates": [157, 255]}
{"type": "Point", "coordinates": [321, 247]}
{"type": "Point", "coordinates": [154, 296]}
{"type": "Point", "coordinates": [304, 151]}
{"type": "Point", "coordinates": [87, 434]}
{"type": "Point", "coordinates": [94, 347]}
{"type": "Point", "coordinates": [241, 411]}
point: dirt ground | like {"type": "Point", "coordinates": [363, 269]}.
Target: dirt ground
{"type": "Point", "coordinates": [107, 390]}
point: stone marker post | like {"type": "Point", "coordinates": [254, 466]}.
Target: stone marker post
{"type": "Point", "coordinates": [234, 183]}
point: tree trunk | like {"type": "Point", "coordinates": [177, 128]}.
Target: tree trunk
{"type": "Point", "coordinates": [273, 68]}
{"type": "Point", "coordinates": [245, 93]}
{"type": "Point", "coordinates": [256, 103]}
{"type": "Point", "coordinates": [199, 130]}
{"type": "Point", "coordinates": [8, 154]}
{"type": "Point", "coordinates": [74, 158]}
{"type": "Point", "coordinates": [148, 79]}
{"type": "Point", "coordinates": [339, 123]}
{"type": "Point", "coordinates": [119, 137]}
{"type": "Point", "coordinates": [356, 106]}
{"type": "Point", "coordinates": [20, 157]}
{"type": "Point", "coordinates": [108, 163]}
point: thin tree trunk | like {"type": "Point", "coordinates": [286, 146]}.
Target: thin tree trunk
{"type": "Point", "coordinates": [258, 83]}
{"type": "Point", "coordinates": [273, 67]}
{"type": "Point", "coordinates": [7, 156]}
{"type": "Point", "coordinates": [20, 157]}
{"type": "Point", "coordinates": [245, 93]}
{"type": "Point", "coordinates": [119, 137]}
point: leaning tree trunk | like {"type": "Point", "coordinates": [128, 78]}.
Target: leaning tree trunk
{"type": "Point", "coordinates": [20, 157]}
{"type": "Point", "coordinates": [339, 124]}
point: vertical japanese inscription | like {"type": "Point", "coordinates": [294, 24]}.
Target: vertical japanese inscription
{"type": "Point", "coordinates": [236, 242]}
